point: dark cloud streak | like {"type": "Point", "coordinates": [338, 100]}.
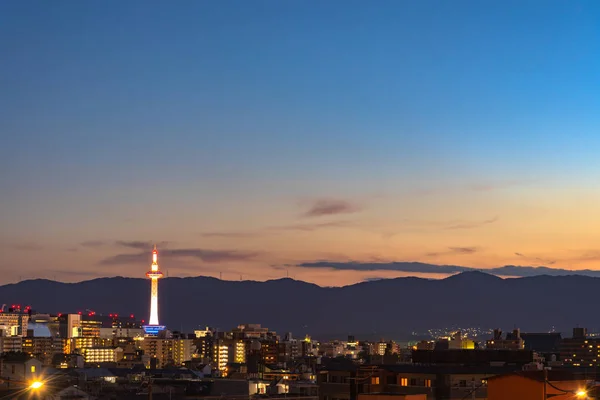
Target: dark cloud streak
{"type": "Point", "coordinates": [206, 255]}
{"type": "Point", "coordinates": [423, 268]}
{"type": "Point", "coordinates": [324, 207]}
{"type": "Point", "coordinates": [471, 225]}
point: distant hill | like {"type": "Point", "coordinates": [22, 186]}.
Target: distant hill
{"type": "Point", "coordinates": [388, 308]}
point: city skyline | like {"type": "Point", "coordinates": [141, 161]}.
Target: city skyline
{"type": "Point", "coordinates": [272, 139]}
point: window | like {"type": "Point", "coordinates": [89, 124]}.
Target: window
{"type": "Point", "coordinates": [427, 382]}
{"type": "Point", "coordinates": [33, 369]}
{"type": "Point", "coordinates": [462, 383]}
{"type": "Point", "coordinates": [375, 380]}
{"type": "Point", "coordinates": [413, 382]}
{"type": "Point", "coordinates": [403, 381]}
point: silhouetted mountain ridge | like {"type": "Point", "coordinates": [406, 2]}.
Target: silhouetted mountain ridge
{"type": "Point", "coordinates": [387, 307]}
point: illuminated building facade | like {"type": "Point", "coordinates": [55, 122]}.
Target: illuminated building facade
{"type": "Point", "coordinates": [69, 325]}
{"type": "Point", "coordinates": [43, 348]}
{"type": "Point", "coordinates": [239, 352]}
{"type": "Point", "coordinates": [11, 344]}
{"type": "Point", "coordinates": [168, 351]}
{"type": "Point", "coordinates": [15, 323]}
{"type": "Point", "coordinates": [154, 275]}
{"type": "Point", "coordinates": [97, 355]}
{"type": "Point", "coordinates": [221, 356]}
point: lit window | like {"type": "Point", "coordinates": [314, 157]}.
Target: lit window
{"type": "Point", "coordinates": [33, 369]}
{"type": "Point", "coordinates": [375, 380]}
{"type": "Point", "coordinates": [427, 382]}
{"type": "Point", "coordinates": [403, 381]}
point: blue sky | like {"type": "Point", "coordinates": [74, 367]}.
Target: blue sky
{"type": "Point", "coordinates": [163, 121]}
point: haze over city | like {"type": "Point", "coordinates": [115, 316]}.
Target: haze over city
{"type": "Point", "coordinates": [269, 139]}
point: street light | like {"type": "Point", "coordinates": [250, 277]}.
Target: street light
{"type": "Point", "coordinates": [36, 385]}
{"type": "Point", "coordinates": [581, 393]}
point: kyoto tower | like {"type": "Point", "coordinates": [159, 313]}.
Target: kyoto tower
{"type": "Point", "coordinates": [154, 274]}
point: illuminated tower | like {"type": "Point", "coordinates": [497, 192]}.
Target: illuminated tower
{"type": "Point", "coordinates": [154, 274]}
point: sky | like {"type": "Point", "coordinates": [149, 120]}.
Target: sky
{"type": "Point", "coordinates": [264, 139]}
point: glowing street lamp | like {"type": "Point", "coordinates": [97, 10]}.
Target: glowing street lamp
{"type": "Point", "coordinates": [36, 385]}
{"type": "Point", "coordinates": [581, 393]}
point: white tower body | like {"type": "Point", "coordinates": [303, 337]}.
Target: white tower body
{"type": "Point", "coordinates": [154, 274]}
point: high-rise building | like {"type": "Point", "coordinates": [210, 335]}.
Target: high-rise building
{"type": "Point", "coordinates": [70, 326]}
{"type": "Point", "coordinates": [14, 323]}
{"type": "Point", "coordinates": [168, 350]}
{"type": "Point", "coordinates": [42, 348]}
{"type": "Point", "coordinates": [154, 275]}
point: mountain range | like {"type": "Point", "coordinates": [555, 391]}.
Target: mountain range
{"type": "Point", "coordinates": [386, 308]}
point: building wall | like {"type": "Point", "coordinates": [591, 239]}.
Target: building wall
{"type": "Point", "coordinates": [18, 320]}
{"type": "Point", "coordinates": [11, 344]}
{"type": "Point", "coordinates": [43, 348]}
{"type": "Point", "coordinates": [70, 325]}
{"type": "Point", "coordinates": [102, 354]}
{"type": "Point", "coordinates": [392, 397]}
{"type": "Point", "coordinates": [168, 351]}
{"type": "Point", "coordinates": [22, 372]}
{"type": "Point", "coordinates": [516, 387]}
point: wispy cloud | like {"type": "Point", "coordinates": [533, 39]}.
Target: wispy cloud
{"type": "Point", "coordinates": [463, 250]}
{"type": "Point", "coordinates": [93, 243]}
{"type": "Point", "coordinates": [454, 250]}
{"type": "Point", "coordinates": [536, 259]}
{"type": "Point", "coordinates": [424, 268]}
{"type": "Point", "coordinates": [310, 227]}
{"type": "Point", "coordinates": [324, 207]}
{"type": "Point", "coordinates": [472, 224]}
{"type": "Point", "coordinates": [270, 230]}
{"type": "Point", "coordinates": [27, 246]}
{"type": "Point", "coordinates": [82, 273]}
{"type": "Point", "coordinates": [140, 244]}
{"type": "Point", "coordinates": [206, 255]}
{"type": "Point", "coordinates": [232, 234]}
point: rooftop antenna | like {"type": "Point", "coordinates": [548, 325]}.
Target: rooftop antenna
{"type": "Point", "coordinates": [221, 275]}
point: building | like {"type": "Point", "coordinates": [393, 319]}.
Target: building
{"type": "Point", "coordinates": [183, 350]}
{"type": "Point", "coordinates": [220, 354]}
{"type": "Point", "coordinates": [472, 357]}
{"type": "Point", "coordinates": [200, 333]}
{"type": "Point", "coordinates": [534, 385]}
{"type": "Point", "coordinates": [69, 325]}
{"type": "Point", "coordinates": [168, 351]}
{"type": "Point", "coordinates": [80, 344]}
{"type": "Point", "coordinates": [154, 275]}
{"type": "Point", "coordinates": [512, 341]}
{"type": "Point", "coordinates": [391, 396]}
{"type": "Point", "coordinates": [14, 323]}
{"type": "Point", "coordinates": [269, 351]}
{"type": "Point", "coordinates": [544, 343]}
{"type": "Point", "coordinates": [239, 352]}
{"type": "Point", "coordinates": [10, 344]}
{"type": "Point", "coordinates": [580, 350]}
{"type": "Point", "coordinates": [42, 348]}
{"type": "Point", "coordinates": [20, 369]}
{"type": "Point", "coordinates": [452, 382]}
{"type": "Point", "coordinates": [98, 355]}
{"type": "Point", "coordinates": [252, 331]}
